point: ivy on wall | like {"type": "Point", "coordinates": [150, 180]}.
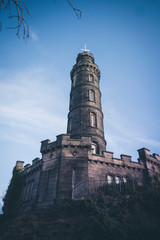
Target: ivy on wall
{"type": "Point", "coordinates": [13, 194]}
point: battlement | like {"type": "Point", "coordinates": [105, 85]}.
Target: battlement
{"type": "Point", "coordinates": [28, 167]}
{"type": "Point", "coordinates": [65, 140]}
{"type": "Point", "coordinates": [144, 153]}
{"type": "Point", "coordinates": [122, 160]}
{"type": "Point", "coordinates": [19, 165]}
{"type": "Point", "coordinates": [155, 155]}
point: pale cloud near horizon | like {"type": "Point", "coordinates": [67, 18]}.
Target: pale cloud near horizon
{"type": "Point", "coordinates": [27, 105]}
{"type": "Point", "coordinates": [34, 36]}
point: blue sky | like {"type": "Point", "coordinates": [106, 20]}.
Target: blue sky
{"type": "Point", "coordinates": [124, 37]}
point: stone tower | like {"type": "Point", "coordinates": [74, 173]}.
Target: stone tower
{"type": "Point", "coordinates": [85, 116]}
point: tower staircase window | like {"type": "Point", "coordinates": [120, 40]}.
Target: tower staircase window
{"type": "Point", "coordinates": [91, 78]}
{"type": "Point", "coordinates": [74, 81]}
{"type": "Point", "coordinates": [93, 119]}
{"type": "Point", "coordinates": [92, 95]}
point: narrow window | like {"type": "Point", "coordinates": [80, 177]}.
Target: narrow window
{"type": "Point", "coordinates": [92, 95]}
{"type": "Point", "coordinates": [117, 180]}
{"type": "Point", "coordinates": [71, 100]}
{"type": "Point", "coordinates": [24, 193]}
{"type": "Point", "coordinates": [91, 78]}
{"type": "Point", "coordinates": [109, 179]}
{"type": "Point", "coordinates": [73, 183]}
{"type": "Point", "coordinates": [47, 190]}
{"type": "Point", "coordinates": [27, 191]}
{"type": "Point", "coordinates": [73, 178]}
{"type": "Point", "coordinates": [95, 148]}
{"type": "Point", "coordinates": [93, 119]}
{"type": "Point", "coordinates": [30, 190]}
{"type": "Point", "coordinates": [74, 81]}
{"type": "Point", "coordinates": [124, 180]}
{"type": "Point", "coordinates": [69, 124]}
{"type": "Point", "coordinates": [128, 181]}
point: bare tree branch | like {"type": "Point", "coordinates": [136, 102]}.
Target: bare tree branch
{"type": "Point", "coordinates": [78, 12]}
{"type": "Point", "coordinates": [16, 10]}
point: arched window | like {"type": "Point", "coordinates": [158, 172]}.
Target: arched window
{"type": "Point", "coordinates": [91, 78]}
{"type": "Point", "coordinates": [124, 180]}
{"type": "Point", "coordinates": [109, 179]}
{"type": "Point", "coordinates": [93, 119]}
{"type": "Point", "coordinates": [117, 180]}
{"type": "Point", "coordinates": [92, 95]}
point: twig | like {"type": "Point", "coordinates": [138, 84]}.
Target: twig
{"type": "Point", "coordinates": [16, 10]}
{"type": "Point", "coordinates": [17, 6]}
{"type": "Point", "coordinates": [77, 11]}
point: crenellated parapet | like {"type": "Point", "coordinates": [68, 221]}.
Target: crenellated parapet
{"type": "Point", "coordinates": [19, 165]}
{"type": "Point", "coordinates": [124, 164]}
{"type": "Point", "coordinates": [85, 62]}
{"type": "Point", "coordinates": [144, 153]}
{"type": "Point", "coordinates": [29, 168]}
{"type": "Point", "coordinates": [151, 161]}
{"type": "Point", "coordinates": [65, 141]}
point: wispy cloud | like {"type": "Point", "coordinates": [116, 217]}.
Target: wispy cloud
{"type": "Point", "coordinates": [31, 105]}
{"type": "Point", "coordinates": [33, 35]}
{"type": "Point", "coordinates": [151, 142]}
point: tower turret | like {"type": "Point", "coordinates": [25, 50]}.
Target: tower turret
{"type": "Point", "coordinates": [85, 116]}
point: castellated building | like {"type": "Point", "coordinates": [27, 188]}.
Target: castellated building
{"type": "Point", "coordinates": [77, 162]}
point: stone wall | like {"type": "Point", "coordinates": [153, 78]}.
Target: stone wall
{"type": "Point", "coordinates": [69, 162]}
{"type": "Point", "coordinates": [32, 178]}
